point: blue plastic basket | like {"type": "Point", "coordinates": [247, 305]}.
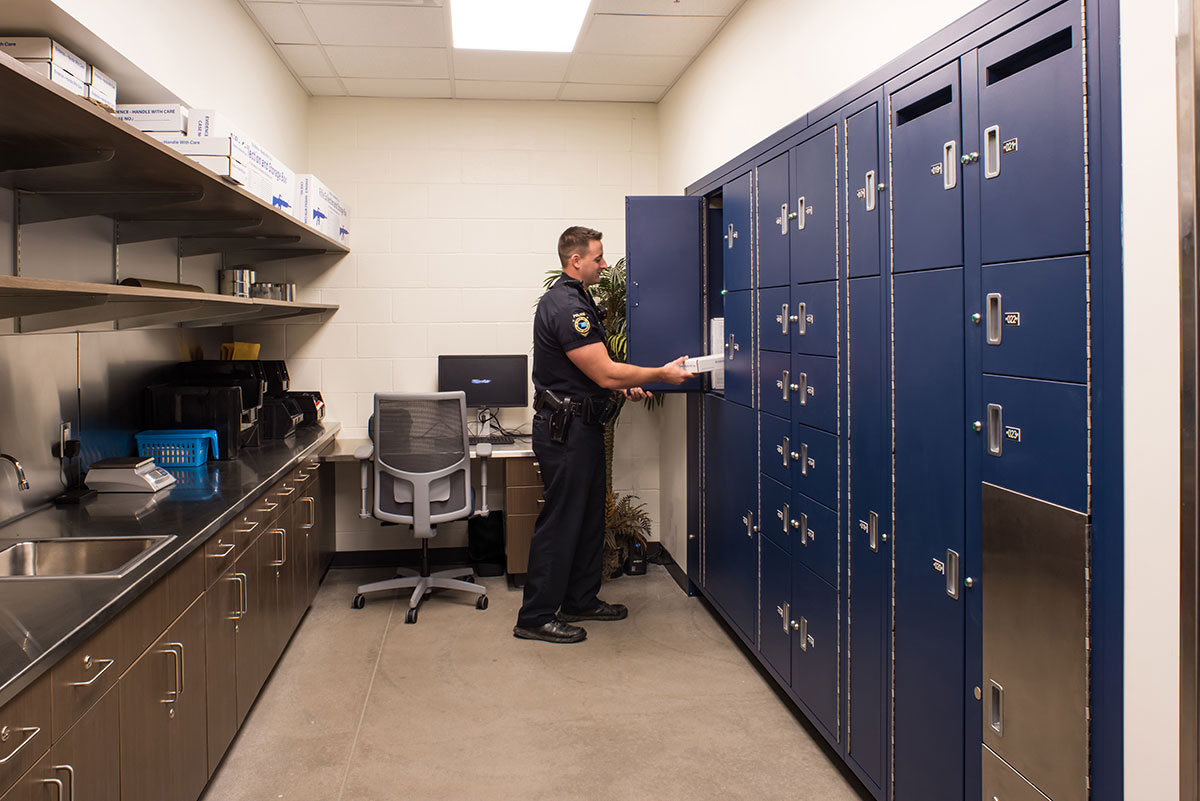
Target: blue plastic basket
{"type": "Point", "coordinates": [177, 447]}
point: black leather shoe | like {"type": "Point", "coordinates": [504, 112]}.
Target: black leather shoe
{"type": "Point", "coordinates": [602, 611]}
{"type": "Point", "coordinates": [554, 631]}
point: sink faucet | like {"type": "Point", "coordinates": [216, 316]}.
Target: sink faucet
{"type": "Point", "coordinates": [22, 482]}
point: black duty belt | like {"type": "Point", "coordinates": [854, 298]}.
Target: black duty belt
{"type": "Point", "coordinates": [590, 410]}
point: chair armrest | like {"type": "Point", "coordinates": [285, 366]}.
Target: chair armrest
{"type": "Point", "coordinates": [364, 452]}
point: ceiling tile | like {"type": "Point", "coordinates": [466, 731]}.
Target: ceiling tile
{"type": "Point", "coordinates": [390, 62]}
{"type": "Point", "coordinates": [643, 70]}
{"type": "Point", "coordinates": [500, 65]}
{"type": "Point", "coordinates": [506, 90]}
{"type": "Point", "coordinates": [672, 8]}
{"type": "Point", "coordinates": [323, 86]}
{"type": "Point", "coordinates": [306, 60]}
{"type": "Point", "coordinates": [283, 22]}
{"type": "Point", "coordinates": [396, 87]}
{"type": "Point", "coordinates": [648, 36]}
{"type": "Point", "coordinates": [612, 92]}
{"type": "Point", "coordinates": [385, 26]}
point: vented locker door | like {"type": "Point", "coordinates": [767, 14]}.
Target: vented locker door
{"type": "Point", "coordinates": [1032, 152]}
{"type": "Point", "coordinates": [774, 382]}
{"type": "Point", "coordinates": [815, 536]}
{"type": "Point", "coordinates": [815, 646]}
{"type": "Point", "coordinates": [926, 190]}
{"type": "Point", "coordinates": [777, 448]}
{"type": "Point", "coordinates": [814, 391]}
{"type": "Point", "coordinates": [814, 464]}
{"type": "Point", "coordinates": [773, 223]}
{"type": "Point", "coordinates": [814, 309]}
{"type": "Point", "coordinates": [736, 233]}
{"type": "Point", "coordinates": [1035, 438]}
{"type": "Point", "coordinates": [775, 325]}
{"type": "Point", "coordinates": [930, 520]}
{"type": "Point", "coordinates": [815, 174]}
{"type": "Point", "coordinates": [867, 187]}
{"type": "Point", "coordinates": [739, 348]}
{"type": "Point", "coordinates": [869, 576]}
{"type": "Point", "coordinates": [775, 641]}
{"type": "Point", "coordinates": [732, 549]}
{"type": "Point", "coordinates": [664, 271]}
{"type": "Point", "coordinates": [1035, 319]}
{"type": "Point", "coordinates": [776, 523]}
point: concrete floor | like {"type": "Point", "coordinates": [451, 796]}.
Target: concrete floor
{"type": "Point", "coordinates": [659, 706]}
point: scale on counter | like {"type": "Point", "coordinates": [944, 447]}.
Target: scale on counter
{"type": "Point", "coordinates": [128, 474]}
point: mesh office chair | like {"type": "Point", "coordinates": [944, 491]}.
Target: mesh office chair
{"type": "Point", "coordinates": [422, 469]}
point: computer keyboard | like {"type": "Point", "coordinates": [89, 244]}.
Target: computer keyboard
{"type": "Point", "coordinates": [494, 439]}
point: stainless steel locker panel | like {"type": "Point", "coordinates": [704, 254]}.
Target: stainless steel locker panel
{"type": "Point", "coordinates": [1002, 783]}
{"type": "Point", "coordinates": [1035, 664]}
{"type": "Point", "coordinates": [775, 382]}
{"type": "Point", "coordinates": [813, 391]}
{"type": "Point", "coordinates": [773, 223]}
{"type": "Point", "coordinates": [778, 514]}
{"type": "Point", "coordinates": [813, 205]}
{"type": "Point", "coordinates": [775, 325]}
{"type": "Point", "coordinates": [777, 448]}
{"type": "Point", "coordinates": [1032, 160]}
{"type": "Point", "coordinates": [775, 613]}
{"type": "Point", "coordinates": [736, 236]}
{"type": "Point", "coordinates": [814, 311]}
{"type": "Point", "coordinates": [1034, 315]}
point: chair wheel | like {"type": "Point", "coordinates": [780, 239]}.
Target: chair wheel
{"type": "Point", "coordinates": [481, 602]}
{"type": "Point", "coordinates": [411, 617]}
{"type": "Point", "coordinates": [359, 602]}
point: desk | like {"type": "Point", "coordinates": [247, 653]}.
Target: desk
{"type": "Point", "coordinates": [522, 495]}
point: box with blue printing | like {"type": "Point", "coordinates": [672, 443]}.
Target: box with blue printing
{"type": "Point", "coordinates": [323, 210]}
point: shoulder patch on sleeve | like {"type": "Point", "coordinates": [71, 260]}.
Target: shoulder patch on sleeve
{"type": "Point", "coordinates": [581, 324]}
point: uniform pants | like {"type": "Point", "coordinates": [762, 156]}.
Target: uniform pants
{"type": "Point", "coordinates": [567, 548]}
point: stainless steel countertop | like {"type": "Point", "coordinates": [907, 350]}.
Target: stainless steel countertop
{"type": "Point", "coordinates": [43, 620]}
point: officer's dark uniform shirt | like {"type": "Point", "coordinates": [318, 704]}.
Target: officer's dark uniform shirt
{"type": "Point", "coordinates": [566, 318]}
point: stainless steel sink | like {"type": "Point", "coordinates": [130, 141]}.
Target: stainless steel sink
{"type": "Point", "coordinates": [77, 557]}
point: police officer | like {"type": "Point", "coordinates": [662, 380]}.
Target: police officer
{"type": "Point", "coordinates": [573, 376]}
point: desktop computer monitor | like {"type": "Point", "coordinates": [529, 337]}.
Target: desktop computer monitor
{"type": "Point", "coordinates": [491, 381]}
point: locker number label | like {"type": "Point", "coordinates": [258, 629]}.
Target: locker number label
{"type": "Point", "coordinates": [1012, 318]}
{"type": "Point", "coordinates": [935, 169]}
{"type": "Point", "coordinates": [939, 566]}
{"type": "Point", "coordinates": [808, 318]}
{"type": "Point", "coordinates": [808, 210]}
{"type": "Point", "coordinates": [1012, 433]}
{"type": "Point", "coordinates": [862, 193]}
{"type": "Point", "coordinates": [1010, 146]}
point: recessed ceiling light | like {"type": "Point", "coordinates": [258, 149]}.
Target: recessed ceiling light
{"type": "Point", "coordinates": [538, 26]}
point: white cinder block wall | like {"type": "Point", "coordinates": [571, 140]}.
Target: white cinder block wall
{"type": "Point", "coordinates": [456, 209]}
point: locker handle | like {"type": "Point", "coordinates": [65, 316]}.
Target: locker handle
{"type": "Point", "coordinates": [784, 449]}
{"type": "Point", "coordinates": [870, 190]}
{"type": "Point", "coordinates": [804, 459]}
{"type": "Point", "coordinates": [996, 718]}
{"type": "Point", "coordinates": [995, 415]}
{"type": "Point", "coordinates": [995, 318]}
{"type": "Point", "coordinates": [805, 534]}
{"type": "Point", "coordinates": [952, 573]}
{"type": "Point", "coordinates": [748, 519]}
{"type": "Point", "coordinates": [783, 319]}
{"type": "Point", "coordinates": [782, 219]}
{"type": "Point", "coordinates": [785, 612]}
{"type": "Point", "coordinates": [802, 388]}
{"type": "Point", "coordinates": [730, 236]}
{"type": "Point", "coordinates": [785, 514]}
{"type": "Point", "coordinates": [873, 531]}
{"type": "Point", "coordinates": [786, 385]}
{"type": "Point", "coordinates": [991, 152]}
{"type": "Point", "coordinates": [801, 213]}
{"type": "Point", "coordinates": [803, 633]}
{"type": "Point", "coordinates": [732, 347]}
{"type": "Point", "coordinates": [949, 165]}
{"type": "Point", "coordinates": [801, 318]}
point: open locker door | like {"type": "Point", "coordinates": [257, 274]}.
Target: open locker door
{"type": "Point", "coordinates": [664, 272]}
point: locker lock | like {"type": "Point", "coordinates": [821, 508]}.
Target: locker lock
{"type": "Point", "coordinates": [976, 317]}
{"type": "Point", "coordinates": [968, 582]}
{"type": "Point", "coordinates": [977, 426]}
{"type": "Point", "coordinates": [969, 158]}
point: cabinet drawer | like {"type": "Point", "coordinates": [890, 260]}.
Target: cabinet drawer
{"type": "Point", "coordinates": [518, 532]}
{"type": "Point", "coordinates": [523, 473]}
{"type": "Point", "coordinates": [141, 623]}
{"type": "Point", "coordinates": [81, 678]}
{"type": "Point", "coordinates": [523, 500]}
{"type": "Point", "coordinates": [222, 549]}
{"type": "Point", "coordinates": [184, 584]}
{"type": "Point", "coordinates": [87, 759]}
{"type": "Point", "coordinates": [24, 731]}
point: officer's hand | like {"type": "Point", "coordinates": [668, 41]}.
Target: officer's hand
{"type": "Point", "coordinates": [637, 393]}
{"type": "Point", "coordinates": [673, 372]}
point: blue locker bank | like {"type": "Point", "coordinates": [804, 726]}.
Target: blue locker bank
{"type": "Point", "coordinates": [895, 513]}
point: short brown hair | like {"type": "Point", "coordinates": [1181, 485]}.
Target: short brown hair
{"type": "Point", "coordinates": [576, 239]}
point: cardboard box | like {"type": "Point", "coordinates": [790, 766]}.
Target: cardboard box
{"type": "Point", "coordinates": [323, 210]}
{"type": "Point", "coordinates": [59, 76]}
{"type": "Point", "coordinates": [102, 99]}
{"type": "Point", "coordinates": [170, 117]}
{"type": "Point", "coordinates": [205, 146]}
{"type": "Point", "coordinates": [103, 87]}
{"type": "Point", "coordinates": [43, 48]}
{"type": "Point", "coordinates": [226, 167]}
{"type": "Point", "coordinates": [209, 122]}
{"type": "Point", "coordinates": [283, 193]}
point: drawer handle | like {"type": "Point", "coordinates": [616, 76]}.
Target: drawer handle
{"type": "Point", "coordinates": [29, 731]}
{"type": "Point", "coordinates": [243, 596]}
{"type": "Point", "coordinates": [290, 490]}
{"type": "Point", "coordinates": [312, 512]}
{"type": "Point", "coordinates": [253, 526]}
{"type": "Point", "coordinates": [541, 501]}
{"type": "Point", "coordinates": [302, 475]}
{"type": "Point", "coordinates": [88, 664]}
{"type": "Point", "coordinates": [282, 547]}
{"type": "Point", "coordinates": [271, 505]}
{"type": "Point", "coordinates": [57, 783]}
{"type": "Point", "coordinates": [228, 546]}
{"type": "Point", "coordinates": [71, 776]}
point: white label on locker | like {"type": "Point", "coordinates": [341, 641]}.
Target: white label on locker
{"type": "Point", "coordinates": [1012, 433]}
{"type": "Point", "coordinates": [1012, 318]}
{"type": "Point", "coordinates": [808, 210]}
{"type": "Point", "coordinates": [935, 169]}
{"type": "Point", "coordinates": [939, 566]}
{"type": "Point", "coordinates": [811, 392]}
{"type": "Point", "coordinates": [861, 194]}
{"type": "Point", "coordinates": [862, 524]}
{"type": "Point", "coordinates": [812, 463]}
{"type": "Point", "coordinates": [808, 318]}
{"type": "Point", "coordinates": [1010, 146]}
